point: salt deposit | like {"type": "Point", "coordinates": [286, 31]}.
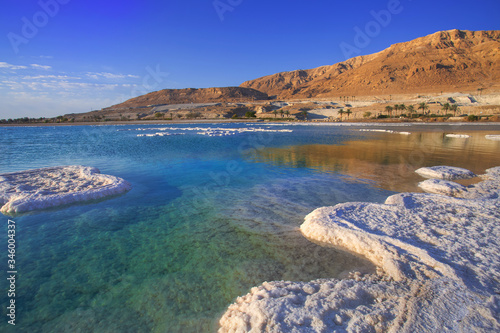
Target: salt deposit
{"type": "Point", "coordinates": [207, 131]}
{"type": "Point", "coordinates": [445, 172]}
{"type": "Point", "coordinates": [493, 137]}
{"type": "Point", "coordinates": [49, 187]}
{"type": "Point", "coordinates": [438, 261]}
{"type": "Point", "coordinates": [459, 136]}
{"type": "Point", "coordinates": [384, 131]}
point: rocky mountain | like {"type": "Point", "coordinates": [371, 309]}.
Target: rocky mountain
{"type": "Point", "coordinates": [192, 95]}
{"type": "Point", "coordinates": [451, 60]}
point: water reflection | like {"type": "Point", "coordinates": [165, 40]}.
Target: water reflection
{"type": "Point", "coordinates": [389, 160]}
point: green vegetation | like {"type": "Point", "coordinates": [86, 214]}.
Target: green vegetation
{"type": "Point", "coordinates": [454, 108]}
{"type": "Point", "coordinates": [472, 118]}
{"type": "Point", "coordinates": [305, 114]}
{"type": "Point", "coordinates": [348, 112]}
{"type": "Point", "coordinates": [389, 109]}
{"type": "Point", "coordinates": [411, 110]}
{"type": "Point", "coordinates": [341, 112]}
{"type": "Point", "coordinates": [423, 106]}
{"type": "Point", "coordinates": [367, 114]}
{"type": "Point", "coordinates": [446, 107]}
{"type": "Point", "coordinates": [250, 114]}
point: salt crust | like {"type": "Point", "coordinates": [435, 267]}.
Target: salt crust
{"type": "Point", "coordinates": [49, 187]}
{"type": "Point", "coordinates": [493, 137]}
{"type": "Point", "coordinates": [458, 136]}
{"type": "Point", "coordinates": [385, 131]}
{"type": "Point", "coordinates": [207, 131]}
{"type": "Point", "coordinates": [445, 172]}
{"type": "Point", "coordinates": [440, 263]}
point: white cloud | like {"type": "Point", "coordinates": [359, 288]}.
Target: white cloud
{"type": "Point", "coordinates": [43, 57]}
{"type": "Point", "coordinates": [10, 66]}
{"type": "Point", "coordinates": [45, 77]}
{"type": "Point", "coordinates": [36, 66]}
{"type": "Point", "coordinates": [15, 67]}
{"type": "Point", "coordinates": [110, 76]}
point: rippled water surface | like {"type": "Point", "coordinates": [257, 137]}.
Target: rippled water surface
{"type": "Point", "coordinates": [207, 218]}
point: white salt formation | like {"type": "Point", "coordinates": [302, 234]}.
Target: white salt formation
{"type": "Point", "coordinates": [385, 131]}
{"type": "Point", "coordinates": [49, 187]}
{"type": "Point", "coordinates": [208, 131]}
{"type": "Point", "coordinates": [438, 258]}
{"type": "Point", "coordinates": [445, 172]}
{"type": "Point", "coordinates": [493, 137]}
{"type": "Point", "coordinates": [458, 136]}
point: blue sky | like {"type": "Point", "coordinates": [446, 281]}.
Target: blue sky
{"type": "Point", "coordinates": [64, 56]}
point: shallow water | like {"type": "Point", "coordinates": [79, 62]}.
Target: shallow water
{"type": "Point", "coordinates": [207, 218]}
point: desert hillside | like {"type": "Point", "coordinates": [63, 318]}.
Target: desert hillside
{"type": "Point", "coordinates": [448, 61]}
{"type": "Point", "coordinates": [191, 95]}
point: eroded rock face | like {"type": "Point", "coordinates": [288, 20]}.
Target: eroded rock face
{"type": "Point", "coordinates": [438, 254]}
{"type": "Point", "coordinates": [442, 61]}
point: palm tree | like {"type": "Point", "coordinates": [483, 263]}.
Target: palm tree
{"type": "Point", "coordinates": [411, 110]}
{"type": "Point", "coordinates": [396, 108]}
{"type": "Point", "coordinates": [454, 108]}
{"type": "Point", "coordinates": [287, 113]}
{"type": "Point", "coordinates": [388, 109]}
{"type": "Point", "coordinates": [423, 106]}
{"type": "Point", "coordinates": [348, 112]}
{"type": "Point", "coordinates": [304, 113]}
{"type": "Point", "coordinates": [275, 113]}
{"type": "Point", "coordinates": [446, 107]}
{"type": "Point", "coordinates": [402, 107]}
{"type": "Point", "coordinates": [341, 112]}
{"type": "Point", "coordinates": [281, 112]}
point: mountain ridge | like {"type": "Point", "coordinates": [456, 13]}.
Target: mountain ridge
{"type": "Point", "coordinates": [449, 60]}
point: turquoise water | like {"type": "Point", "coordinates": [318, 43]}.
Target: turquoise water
{"type": "Point", "coordinates": [207, 219]}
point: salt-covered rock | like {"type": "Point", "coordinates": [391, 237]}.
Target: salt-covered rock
{"type": "Point", "coordinates": [49, 187]}
{"type": "Point", "coordinates": [438, 254]}
{"type": "Point", "coordinates": [445, 172]}
{"type": "Point", "coordinates": [440, 186]}
{"type": "Point", "coordinates": [438, 305]}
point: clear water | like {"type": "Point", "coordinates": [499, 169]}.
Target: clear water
{"type": "Point", "coordinates": [207, 219]}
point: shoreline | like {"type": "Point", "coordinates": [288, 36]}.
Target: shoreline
{"type": "Point", "coordinates": [385, 124]}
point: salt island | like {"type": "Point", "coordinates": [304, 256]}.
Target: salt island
{"type": "Point", "coordinates": [55, 186]}
{"type": "Point", "coordinates": [438, 265]}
